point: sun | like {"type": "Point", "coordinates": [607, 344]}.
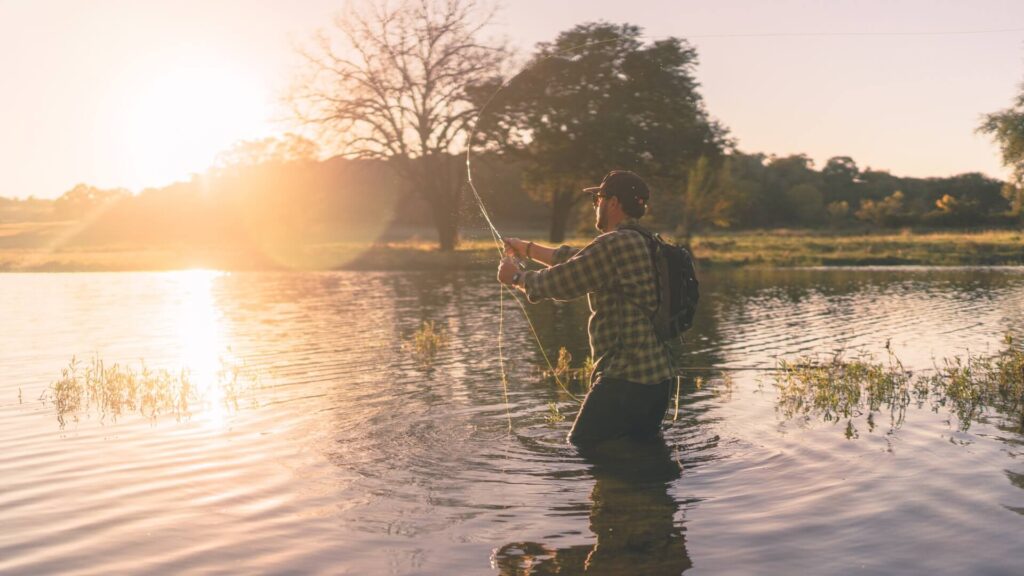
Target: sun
{"type": "Point", "coordinates": [178, 116]}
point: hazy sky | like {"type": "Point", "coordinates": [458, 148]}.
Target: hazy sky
{"type": "Point", "coordinates": [141, 93]}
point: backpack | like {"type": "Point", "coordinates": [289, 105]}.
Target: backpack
{"type": "Point", "coordinates": [675, 279]}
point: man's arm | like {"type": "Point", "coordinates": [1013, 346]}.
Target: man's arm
{"type": "Point", "coordinates": [546, 255]}
{"type": "Point", "coordinates": [589, 270]}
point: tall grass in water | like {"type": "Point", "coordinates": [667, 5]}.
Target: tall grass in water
{"type": "Point", "coordinates": [114, 389]}
{"type": "Point", "coordinates": [976, 384]}
{"type": "Point", "coordinates": [837, 389]}
{"type": "Point", "coordinates": [566, 373]}
{"type": "Point", "coordinates": [426, 342]}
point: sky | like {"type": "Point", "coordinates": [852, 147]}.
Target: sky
{"type": "Point", "coordinates": [121, 93]}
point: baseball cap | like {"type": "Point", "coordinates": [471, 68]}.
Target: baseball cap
{"type": "Point", "coordinates": [624, 184]}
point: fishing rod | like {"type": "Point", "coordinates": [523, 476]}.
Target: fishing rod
{"type": "Point", "coordinates": [505, 251]}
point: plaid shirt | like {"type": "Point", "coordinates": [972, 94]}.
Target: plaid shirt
{"type": "Point", "coordinates": [616, 274]}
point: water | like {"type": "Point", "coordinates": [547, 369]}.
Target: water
{"type": "Point", "coordinates": [354, 457]}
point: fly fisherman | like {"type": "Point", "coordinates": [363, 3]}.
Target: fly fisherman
{"type": "Point", "coordinates": [631, 382]}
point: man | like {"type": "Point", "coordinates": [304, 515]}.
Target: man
{"type": "Point", "coordinates": [631, 382]}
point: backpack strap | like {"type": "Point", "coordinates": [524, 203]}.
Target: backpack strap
{"type": "Point", "coordinates": [654, 245]}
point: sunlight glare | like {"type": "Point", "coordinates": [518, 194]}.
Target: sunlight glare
{"type": "Point", "coordinates": [178, 118]}
{"type": "Point", "coordinates": [200, 335]}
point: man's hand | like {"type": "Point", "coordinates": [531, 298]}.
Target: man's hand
{"type": "Point", "coordinates": [507, 269]}
{"type": "Point", "coordinates": [516, 246]}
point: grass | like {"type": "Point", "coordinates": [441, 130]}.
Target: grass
{"type": "Point", "coordinates": [554, 415]}
{"type": "Point", "coordinates": [838, 389]}
{"type": "Point", "coordinates": [783, 248]}
{"type": "Point", "coordinates": [112, 390]}
{"type": "Point", "coordinates": [426, 342]}
{"type": "Point", "coordinates": [568, 375]}
{"type": "Point", "coordinates": [775, 248]}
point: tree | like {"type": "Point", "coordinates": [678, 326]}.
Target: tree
{"type": "Point", "coordinates": [806, 204]}
{"type": "Point", "coordinates": [838, 213]}
{"type": "Point", "coordinates": [706, 199]}
{"type": "Point", "coordinates": [395, 89]}
{"type": "Point", "coordinates": [595, 99]}
{"type": "Point", "coordinates": [747, 174]}
{"type": "Point", "coordinates": [790, 193]}
{"type": "Point", "coordinates": [84, 201]}
{"type": "Point", "coordinates": [1015, 196]}
{"type": "Point", "coordinates": [840, 178]}
{"type": "Point", "coordinates": [1007, 128]}
{"type": "Point", "coordinates": [885, 213]}
{"type": "Point", "coordinates": [271, 150]}
{"type": "Point", "coordinates": [953, 211]}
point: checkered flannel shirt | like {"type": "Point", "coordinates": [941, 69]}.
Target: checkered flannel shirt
{"type": "Point", "coordinates": [615, 273]}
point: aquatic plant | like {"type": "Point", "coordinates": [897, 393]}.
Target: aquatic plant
{"type": "Point", "coordinates": [554, 414]}
{"type": "Point", "coordinates": [973, 385]}
{"type": "Point", "coordinates": [113, 390]}
{"type": "Point", "coordinates": [426, 342]}
{"type": "Point", "coordinates": [566, 373]}
{"type": "Point", "coordinates": [837, 388]}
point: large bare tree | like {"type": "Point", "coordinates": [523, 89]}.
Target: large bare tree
{"type": "Point", "coordinates": [389, 82]}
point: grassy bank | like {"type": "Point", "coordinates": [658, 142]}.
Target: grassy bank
{"type": "Point", "coordinates": [802, 248]}
{"type": "Point", "coordinates": [753, 248]}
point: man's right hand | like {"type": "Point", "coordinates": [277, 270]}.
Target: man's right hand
{"type": "Point", "coordinates": [516, 247]}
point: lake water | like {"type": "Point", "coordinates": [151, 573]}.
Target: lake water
{"type": "Point", "coordinates": [350, 455]}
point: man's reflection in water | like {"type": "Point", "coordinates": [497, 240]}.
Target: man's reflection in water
{"type": "Point", "coordinates": [632, 515]}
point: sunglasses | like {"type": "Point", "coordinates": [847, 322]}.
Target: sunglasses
{"type": "Point", "coordinates": [595, 197]}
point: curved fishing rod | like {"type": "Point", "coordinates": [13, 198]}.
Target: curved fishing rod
{"type": "Point", "coordinates": [499, 240]}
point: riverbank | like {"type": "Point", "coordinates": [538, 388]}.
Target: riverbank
{"type": "Point", "coordinates": [776, 248]}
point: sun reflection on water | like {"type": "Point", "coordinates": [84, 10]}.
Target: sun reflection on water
{"type": "Point", "coordinates": [201, 339]}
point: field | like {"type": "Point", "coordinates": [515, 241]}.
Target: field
{"type": "Point", "coordinates": [40, 248]}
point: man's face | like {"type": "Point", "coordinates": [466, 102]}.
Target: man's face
{"type": "Point", "coordinates": [601, 206]}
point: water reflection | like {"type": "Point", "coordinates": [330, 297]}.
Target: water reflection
{"type": "Point", "coordinates": [402, 469]}
{"type": "Point", "coordinates": [200, 338]}
{"type": "Point", "coordinates": [632, 516]}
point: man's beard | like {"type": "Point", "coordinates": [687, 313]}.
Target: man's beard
{"type": "Point", "coordinates": [602, 219]}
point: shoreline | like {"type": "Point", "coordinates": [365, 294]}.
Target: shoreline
{"type": "Point", "coordinates": [756, 249]}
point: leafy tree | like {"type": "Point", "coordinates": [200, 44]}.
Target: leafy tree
{"type": "Point", "coordinates": [1007, 128]}
{"type": "Point", "coordinates": [953, 211]}
{"type": "Point", "coordinates": [805, 201]}
{"type": "Point", "coordinates": [706, 201]}
{"type": "Point", "coordinates": [394, 87]}
{"type": "Point", "coordinates": [840, 179]}
{"type": "Point", "coordinates": [838, 213]}
{"type": "Point", "coordinates": [747, 174]}
{"type": "Point", "coordinates": [791, 192]}
{"type": "Point", "coordinates": [271, 150]}
{"type": "Point", "coordinates": [598, 98]}
{"type": "Point", "coordinates": [87, 201]}
{"type": "Point", "coordinates": [886, 213]}
{"type": "Point", "coordinates": [1015, 196]}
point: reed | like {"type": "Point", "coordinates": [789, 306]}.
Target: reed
{"type": "Point", "coordinates": [426, 342]}
{"type": "Point", "coordinates": [971, 388]}
{"type": "Point", "coordinates": [554, 415]}
{"type": "Point", "coordinates": [112, 390]}
{"type": "Point", "coordinates": [566, 373]}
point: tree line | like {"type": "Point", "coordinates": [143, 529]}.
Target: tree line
{"type": "Point", "coordinates": [253, 194]}
{"type": "Point", "coordinates": [403, 90]}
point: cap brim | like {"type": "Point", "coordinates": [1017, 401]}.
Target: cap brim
{"type": "Point", "coordinates": [592, 189]}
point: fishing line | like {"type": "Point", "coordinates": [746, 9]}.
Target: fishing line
{"type": "Point", "coordinates": [499, 241]}
{"type": "Point", "coordinates": [501, 355]}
